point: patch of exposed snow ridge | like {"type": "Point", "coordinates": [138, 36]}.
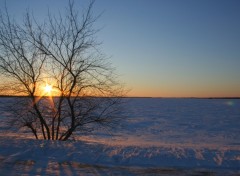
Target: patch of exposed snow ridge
{"type": "Point", "coordinates": [40, 157]}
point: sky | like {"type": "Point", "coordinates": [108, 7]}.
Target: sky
{"type": "Point", "coordinates": [164, 48]}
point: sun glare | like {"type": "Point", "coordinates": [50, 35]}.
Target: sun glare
{"type": "Point", "coordinates": [48, 89]}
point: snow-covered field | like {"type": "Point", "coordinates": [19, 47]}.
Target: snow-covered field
{"type": "Point", "coordinates": [156, 137]}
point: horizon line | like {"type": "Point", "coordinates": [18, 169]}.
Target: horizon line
{"type": "Point", "coordinates": [192, 97]}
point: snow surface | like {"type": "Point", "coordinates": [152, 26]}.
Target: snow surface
{"type": "Point", "coordinates": [156, 137]}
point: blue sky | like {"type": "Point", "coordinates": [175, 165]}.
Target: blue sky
{"type": "Point", "coordinates": [165, 48]}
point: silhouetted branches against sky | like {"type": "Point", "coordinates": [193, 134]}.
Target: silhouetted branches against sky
{"type": "Point", "coordinates": [61, 52]}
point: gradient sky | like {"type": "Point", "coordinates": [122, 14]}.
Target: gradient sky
{"type": "Point", "coordinates": [165, 48]}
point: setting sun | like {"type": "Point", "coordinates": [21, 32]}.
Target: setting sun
{"type": "Point", "coordinates": [48, 89]}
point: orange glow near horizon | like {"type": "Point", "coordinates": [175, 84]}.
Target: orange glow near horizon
{"type": "Point", "coordinates": [48, 90]}
{"type": "Point", "coordinates": [179, 92]}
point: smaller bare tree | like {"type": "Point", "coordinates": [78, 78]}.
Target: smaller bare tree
{"type": "Point", "coordinates": [67, 83]}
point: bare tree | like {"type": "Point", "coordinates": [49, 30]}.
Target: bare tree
{"type": "Point", "coordinates": [68, 83]}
